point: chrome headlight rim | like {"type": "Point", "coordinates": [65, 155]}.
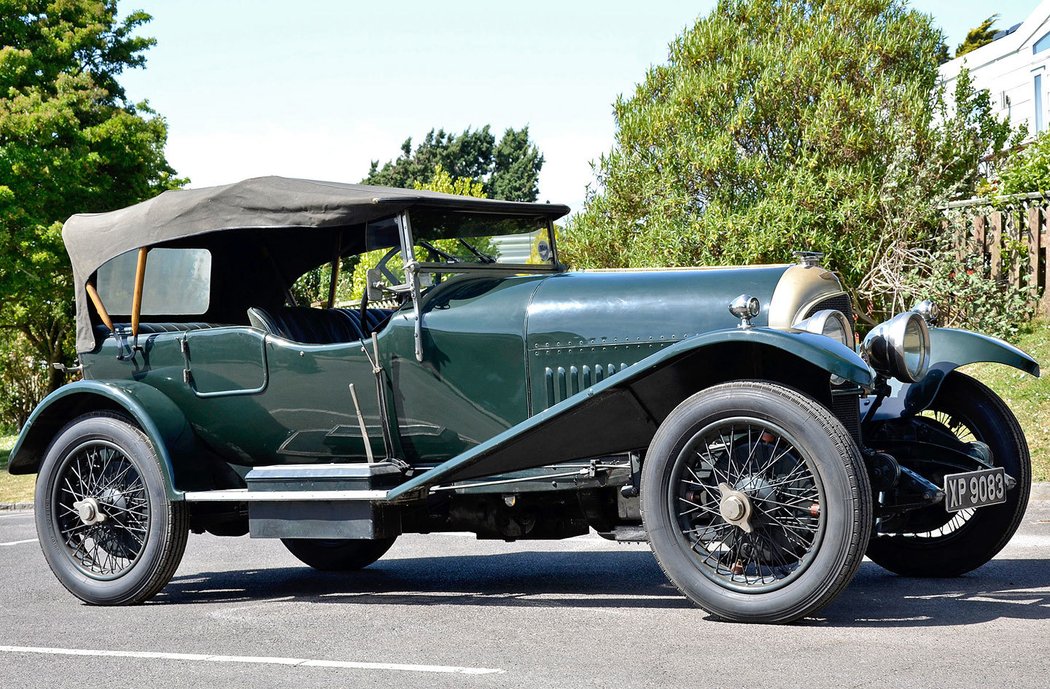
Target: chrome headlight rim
{"type": "Point", "coordinates": [827, 322]}
{"type": "Point", "coordinates": [899, 348]}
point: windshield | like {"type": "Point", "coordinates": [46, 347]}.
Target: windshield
{"type": "Point", "coordinates": [442, 240]}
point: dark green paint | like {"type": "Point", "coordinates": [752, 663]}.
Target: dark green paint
{"type": "Point", "coordinates": [950, 349]}
{"type": "Point", "coordinates": [822, 351]}
{"type": "Point", "coordinates": [158, 417]}
{"type": "Point", "coordinates": [497, 349]}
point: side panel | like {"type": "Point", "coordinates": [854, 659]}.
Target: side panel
{"type": "Point", "coordinates": [622, 412]}
{"type": "Point", "coordinates": [471, 384]}
{"type": "Point", "coordinates": [585, 327]}
{"type": "Point", "coordinates": [254, 399]}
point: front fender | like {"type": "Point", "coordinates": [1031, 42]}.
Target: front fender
{"type": "Point", "coordinates": [949, 349]}
{"type": "Point", "coordinates": [622, 412]}
{"type": "Point", "coordinates": [158, 417]}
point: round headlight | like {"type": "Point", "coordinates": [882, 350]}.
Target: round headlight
{"type": "Point", "coordinates": [899, 348]}
{"type": "Point", "coordinates": [830, 323]}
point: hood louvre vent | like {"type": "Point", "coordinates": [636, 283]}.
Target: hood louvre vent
{"type": "Point", "coordinates": [564, 382]}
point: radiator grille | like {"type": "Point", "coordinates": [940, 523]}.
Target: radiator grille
{"type": "Point", "coordinates": [839, 302]}
{"type": "Point", "coordinates": [845, 405]}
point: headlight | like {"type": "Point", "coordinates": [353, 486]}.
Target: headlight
{"type": "Point", "coordinates": [899, 348]}
{"type": "Point", "coordinates": [830, 323]}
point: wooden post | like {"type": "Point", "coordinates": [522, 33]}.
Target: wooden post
{"type": "Point", "coordinates": [1031, 238]}
{"type": "Point", "coordinates": [1016, 233]}
{"type": "Point", "coordinates": [979, 222]}
{"type": "Point", "coordinates": [136, 297]}
{"type": "Point", "coordinates": [996, 244]}
{"type": "Point", "coordinates": [1042, 253]}
{"type": "Point", "coordinates": [99, 306]}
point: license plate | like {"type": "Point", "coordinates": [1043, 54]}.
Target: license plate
{"type": "Point", "coordinates": [974, 489]}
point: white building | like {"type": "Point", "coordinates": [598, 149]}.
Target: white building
{"type": "Point", "coordinates": [1015, 68]}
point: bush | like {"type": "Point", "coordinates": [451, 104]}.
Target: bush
{"type": "Point", "coordinates": [966, 294]}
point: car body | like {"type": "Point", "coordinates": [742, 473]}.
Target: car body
{"type": "Point", "coordinates": [723, 414]}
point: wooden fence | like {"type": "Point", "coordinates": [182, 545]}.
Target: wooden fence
{"type": "Point", "coordinates": [1011, 234]}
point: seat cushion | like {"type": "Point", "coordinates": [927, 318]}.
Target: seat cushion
{"type": "Point", "coordinates": [306, 325]}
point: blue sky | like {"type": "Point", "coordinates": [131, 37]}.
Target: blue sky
{"type": "Point", "coordinates": [319, 88]}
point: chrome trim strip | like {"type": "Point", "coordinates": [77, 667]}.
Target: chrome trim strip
{"type": "Point", "coordinates": [244, 495]}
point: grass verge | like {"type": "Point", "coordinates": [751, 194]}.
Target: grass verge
{"type": "Point", "coordinates": [13, 488]}
{"type": "Point", "coordinates": [1028, 397]}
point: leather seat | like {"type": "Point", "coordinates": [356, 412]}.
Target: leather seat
{"type": "Point", "coordinates": [306, 325]}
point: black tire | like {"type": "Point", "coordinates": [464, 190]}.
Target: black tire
{"type": "Point", "coordinates": [964, 541]}
{"type": "Point", "coordinates": [806, 487]}
{"type": "Point", "coordinates": [337, 555]}
{"type": "Point", "coordinates": [108, 466]}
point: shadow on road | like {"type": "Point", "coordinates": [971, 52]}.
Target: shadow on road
{"type": "Point", "coordinates": [1018, 588]}
{"type": "Point", "coordinates": [1001, 589]}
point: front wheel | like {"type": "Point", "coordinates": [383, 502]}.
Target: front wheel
{"type": "Point", "coordinates": [756, 502]}
{"type": "Point", "coordinates": [106, 526]}
{"type": "Point", "coordinates": [934, 543]}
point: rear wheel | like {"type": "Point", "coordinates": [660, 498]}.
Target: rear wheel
{"type": "Point", "coordinates": [106, 526]}
{"type": "Point", "coordinates": [335, 554]}
{"type": "Point", "coordinates": [932, 542]}
{"type": "Point", "coordinates": [756, 502]}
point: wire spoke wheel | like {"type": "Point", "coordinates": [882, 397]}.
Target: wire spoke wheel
{"type": "Point", "coordinates": [747, 504]}
{"type": "Point", "coordinates": [107, 527]}
{"type": "Point", "coordinates": [102, 510]}
{"type": "Point", "coordinates": [931, 542]}
{"type": "Point", "coordinates": [756, 502]}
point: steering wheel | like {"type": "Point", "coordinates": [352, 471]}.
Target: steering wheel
{"type": "Point", "coordinates": [384, 270]}
{"type": "Point", "coordinates": [434, 251]}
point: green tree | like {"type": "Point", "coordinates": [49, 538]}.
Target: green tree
{"type": "Point", "coordinates": [507, 170]}
{"type": "Point", "coordinates": [978, 36]}
{"type": "Point", "coordinates": [775, 127]}
{"type": "Point", "coordinates": [70, 141]}
{"type": "Point", "coordinates": [1029, 169]}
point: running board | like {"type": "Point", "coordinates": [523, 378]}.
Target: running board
{"type": "Point", "coordinates": [245, 495]}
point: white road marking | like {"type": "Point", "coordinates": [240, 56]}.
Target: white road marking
{"type": "Point", "coordinates": [28, 540]}
{"type": "Point", "coordinates": [1030, 541]}
{"type": "Point", "coordinates": [261, 660]}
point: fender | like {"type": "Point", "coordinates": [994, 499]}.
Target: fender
{"type": "Point", "coordinates": [622, 412]}
{"type": "Point", "coordinates": [158, 417]}
{"type": "Point", "coordinates": [949, 349]}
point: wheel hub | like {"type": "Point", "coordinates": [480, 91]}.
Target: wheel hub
{"type": "Point", "coordinates": [735, 507]}
{"type": "Point", "coordinates": [88, 511]}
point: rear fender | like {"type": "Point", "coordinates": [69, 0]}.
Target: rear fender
{"type": "Point", "coordinates": [949, 349]}
{"type": "Point", "coordinates": [153, 412]}
{"type": "Point", "coordinates": [622, 412]}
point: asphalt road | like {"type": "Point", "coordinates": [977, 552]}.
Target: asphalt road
{"type": "Point", "coordinates": [449, 611]}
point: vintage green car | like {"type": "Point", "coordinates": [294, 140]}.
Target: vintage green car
{"type": "Point", "coordinates": [723, 415]}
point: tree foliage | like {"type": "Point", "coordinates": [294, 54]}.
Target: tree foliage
{"type": "Point", "coordinates": [980, 35]}
{"type": "Point", "coordinates": [70, 141]}
{"type": "Point", "coordinates": [1029, 169]}
{"type": "Point", "coordinates": [506, 170]}
{"type": "Point", "coordinates": [775, 127]}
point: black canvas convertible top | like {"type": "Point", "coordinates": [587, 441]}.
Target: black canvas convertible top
{"type": "Point", "coordinates": [262, 203]}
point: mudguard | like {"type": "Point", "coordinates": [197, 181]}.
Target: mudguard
{"type": "Point", "coordinates": [949, 349]}
{"type": "Point", "coordinates": [616, 414]}
{"type": "Point", "coordinates": [158, 417]}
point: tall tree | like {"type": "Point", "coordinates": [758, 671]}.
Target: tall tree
{"type": "Point", "coordinates": [70, 141]}
{"type": "Point", "coordinates": [508, 170]}
{"type": "Point", "coordinates": [773, 127]}
{"type": "Point", "coordinates": [980, 35]}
